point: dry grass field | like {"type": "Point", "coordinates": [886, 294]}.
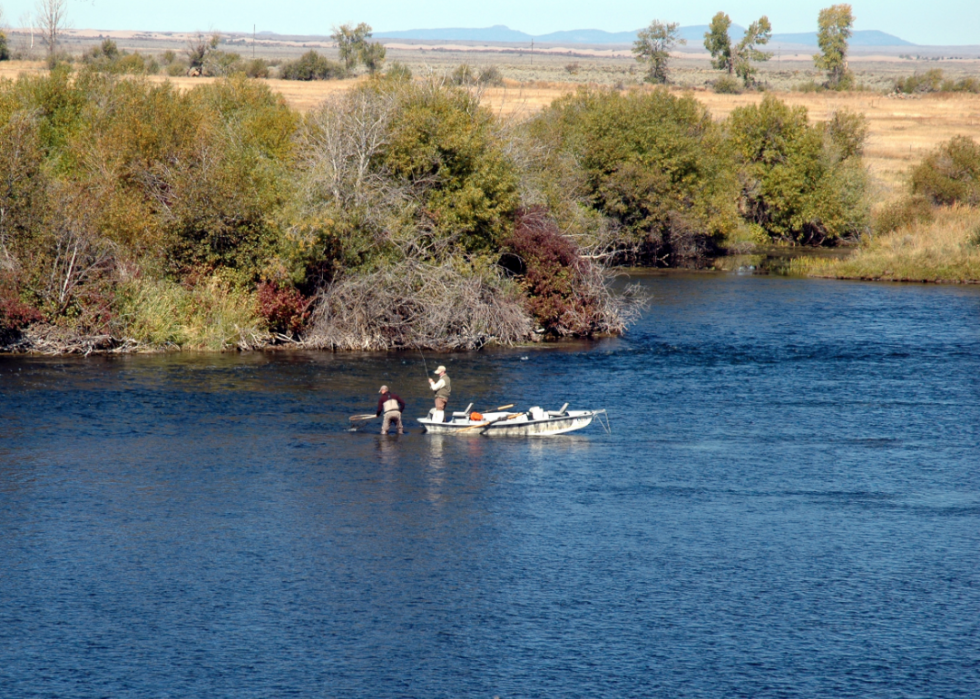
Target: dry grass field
{"type": "Point", "coordinates": [901, 130]}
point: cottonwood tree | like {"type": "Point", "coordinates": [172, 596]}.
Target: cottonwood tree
{"type": "Point", "coordinates": [353, 46]}
{"type": "Point", "coordinates": [653, 45]}
{"type": "Point", "coordinates": [737, 59]}
{"type": "Point", "coordinates": [51, 18]}
{"type": "Point", "coordinates": [835, 28]}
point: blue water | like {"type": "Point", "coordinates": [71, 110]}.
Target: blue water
{"type": "Point", "coordinates": [788, 506]}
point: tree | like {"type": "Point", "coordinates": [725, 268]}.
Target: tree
{"type": "Point", "coordinates": [835, 29]}
{"type": "Point", "coordinates": [51, 17]}
{"type": "Point", "coordinates": [737, 58]}
{"type": "Point", "coordinates": [4, 51]}
{"type": "Point", "coordinates": [719, 44]}
{"type": "Point", "coordinates": [373, 56]}
{"type": "Point", "coordinates": [351, 42]}
{"type": "Point", "coordinates": [757, 34]}
{"type": "Point", "coordinates": [198, 49]}
{"type": "Point", "coordinates": [653, 45]}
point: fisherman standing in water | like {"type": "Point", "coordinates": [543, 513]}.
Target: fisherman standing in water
{"type": "Point", "coordinates": [442, 387]}
{"type": "Point", "coordinates": [392, 406]}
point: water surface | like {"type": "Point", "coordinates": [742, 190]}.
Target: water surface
{"type": "Point", "coordinates": [788, 506]}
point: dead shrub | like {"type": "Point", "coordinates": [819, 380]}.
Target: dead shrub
{"type": "Point", "coordinates": [414, 304]}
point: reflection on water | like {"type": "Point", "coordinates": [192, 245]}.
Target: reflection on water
{"type": "Point", "coordinates": [788, 505]}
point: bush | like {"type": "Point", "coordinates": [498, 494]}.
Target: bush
{"type": "Point", "coordinates": [559, 283]}
{"type": "Point", "coordinates": [398, 71]}
{"type": "Point", "coordinates": [490, 75]}
{"type": "Point", "coordinates": [934, 81]}
{"type": "Point", "coordinates": [801, 183]}
{"type": "Point", "coordinates": [211, 314]}
{"type": "Point", "coordinates": [951, 173]}
{"type": "Point", "coordinates": [257, 68]}
{"type": "Point", "coordinates": [284, 309]}
{"type": "Point", "coordinates": [727, 85]}
{"type": "Point", "coordinates": [415, 304]}
{"type": "Point", "coordinates": [14, 313]}
{"type": "Point", "coordinates": [903, 213]}
{"type": "Point", "coordinates": [654, 164]}
{"type": "Point", "coordinates": [462, 76]}
{"type": "Point", "coordinates": [312, 66]}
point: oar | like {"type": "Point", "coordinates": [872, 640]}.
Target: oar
{"type": "Point", "coordinates": [502, 407]}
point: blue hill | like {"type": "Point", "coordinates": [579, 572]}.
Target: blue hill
{"type": "Point", "coordinates": [693, 34]}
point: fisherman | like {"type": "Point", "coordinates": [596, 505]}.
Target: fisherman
{"type": "Point", "coordinates": [392, 406]}
{"type": "Point", "coordinates": [443, 387]}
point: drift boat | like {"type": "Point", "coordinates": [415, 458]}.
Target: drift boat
{"type": "Point", "coordinates": [534, 422]}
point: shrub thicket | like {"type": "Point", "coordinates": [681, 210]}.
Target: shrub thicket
{"type": "Point", "coordinates": [935, 81]}
{"type": "Point", "coordinates": [655, 164]}
{"type": "Point", "coordinates": [800, 182]}
{"type": "Point", "coordinates": [312, 66]}
{"type": "Point", "coordinates": [951, 173]}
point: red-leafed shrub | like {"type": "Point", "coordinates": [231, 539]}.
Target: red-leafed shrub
{"type": "Point", "coordinates": [285, 309]}
{"type": "Point", "coordinates": [14, 313]}
{"type": "Point", "coordinates": [565, 291]}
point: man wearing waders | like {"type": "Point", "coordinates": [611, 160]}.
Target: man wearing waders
{"type": "Point", "coordinates": [442, 387]}
{"type": "Point", "coordinates": [392, 407]}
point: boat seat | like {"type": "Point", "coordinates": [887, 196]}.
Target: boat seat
{"type": "Point", "coordinates": [559, 412]}
{"type": "Point", "coordinates": [465, 413]}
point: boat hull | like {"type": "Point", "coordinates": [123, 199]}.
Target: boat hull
{"type": "Point", "coordinates": [520, 426]}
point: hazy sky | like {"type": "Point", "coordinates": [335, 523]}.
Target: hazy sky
{"type": "Point", "coordinates": [940, 22]}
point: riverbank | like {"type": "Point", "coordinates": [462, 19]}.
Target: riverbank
{"type": "Point", "coordinates": [945, 250]}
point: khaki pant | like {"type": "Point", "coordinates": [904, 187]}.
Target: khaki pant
{"type": "Point", "coordinates": [441, 403]}
{"type": "Point", "coordinates": [392, 417]}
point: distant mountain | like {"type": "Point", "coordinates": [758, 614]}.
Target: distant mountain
{"type": "Point", "coordinates": [492, 34]}
{"type": "Point", "coordinates": [693, 34]}
{"type": "Point", "coordinates": [587, 36]}
{"type": "Point", "coordinates": [864, 38]}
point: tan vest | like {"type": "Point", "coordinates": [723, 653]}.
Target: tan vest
{"type": "Point", "coordinates": [390, 405]}
{"type": "Point", "coordinates": [445, 390]}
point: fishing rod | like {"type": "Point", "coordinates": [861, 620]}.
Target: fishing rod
{"type": "Point", "coordinates": [424, 365]}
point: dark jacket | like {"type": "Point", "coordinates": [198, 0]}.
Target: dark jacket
{"type": "Point", "coordinates": [390, 396]}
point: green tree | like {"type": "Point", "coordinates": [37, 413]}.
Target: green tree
{"type": "Point", "coordinates": [351, 42]}
{"type": "Point", "coordinates": [836, 24]}
{"type": "Point", "coordinates": [800, 182]}
{"type": "Point", "coordinates": [653, 45]}
{"type": "Point", "coordinates": [373, 56]}
{"type": "Point", "coordinates": [737, 59]}
{"type": "Point", "coordinates": [654, 165]}
{"type": "Point", "coordinates": [719, 43]}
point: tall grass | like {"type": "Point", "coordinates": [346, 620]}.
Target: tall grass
{"type": "Point", "coordinates": [944, 249]}
{"type": "Point", "coordinates": [212, 315]}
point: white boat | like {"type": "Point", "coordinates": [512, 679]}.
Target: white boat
{"type": "Point", "coordinates": [534, 422]}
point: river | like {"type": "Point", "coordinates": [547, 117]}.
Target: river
{"type": "Point", "coordinates": [788, 506]}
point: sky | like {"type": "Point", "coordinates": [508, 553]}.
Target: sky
{"type": "Point", "coordinates": [937, 22]}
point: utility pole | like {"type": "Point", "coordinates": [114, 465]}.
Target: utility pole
{"type": "Point", "coordinates": [253, 41]}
